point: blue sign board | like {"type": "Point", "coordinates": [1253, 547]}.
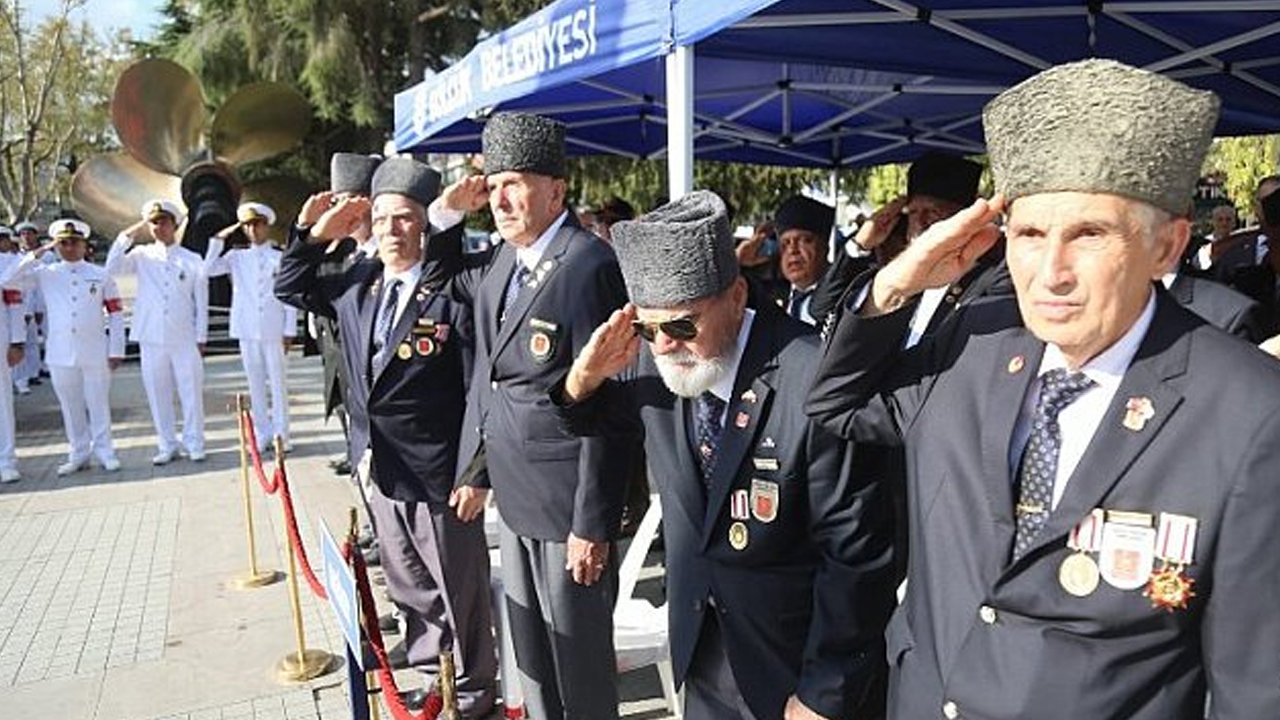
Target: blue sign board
{"type": "Point", "coordinates": [340, 585]}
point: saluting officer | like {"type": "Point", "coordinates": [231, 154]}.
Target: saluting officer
{"type": "Point", "coordinates": [170, 324]}
{"type": "Point", "coordinates": [85, 340]}
{"type": "Point", "coordinates": [408, 348]}
{"type": "Point", "coordinates": [27, 372]}
{"type": "Point", "coordinates": [1091, 470]}
{"type": "Point", "coordinates": [779, 573]}
{"type": "Point", "coordinates": [560, 497]}
{"type": "Point", "coordinates": [264, 326]}
{"type": "Point", "coordinates": [13, 336]}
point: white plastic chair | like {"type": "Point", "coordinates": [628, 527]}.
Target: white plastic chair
{"type": "Point", "coordinates": [639, 628]}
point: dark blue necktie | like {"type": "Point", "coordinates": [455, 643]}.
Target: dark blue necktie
{"type": "Point", "coordinates": [518, 280]}
{"type": "Point", "coordinates": [708, 425]}
{"type": "Point", "coordinates": [797, 302]}
{"type": "Point", "coordinates": [1039, 467]}
{"type": "Point", "coordinates": [384, 326]}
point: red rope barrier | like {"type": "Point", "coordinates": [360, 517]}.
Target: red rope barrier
{"type": "Point", "coordinates": [250, 437]}
{"type": "Point", "coordinates": [295, 539]}
{"type": "Point", "coordinates": [434, 704]}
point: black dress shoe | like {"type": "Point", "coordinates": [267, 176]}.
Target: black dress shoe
{"type": "Point", "coordinates": [414, 699]}
{"type": "Point", "coordinates": [35, 381]}
{"type": "Point", "coordinates": [388, 625]}
{"type": "Point", "coordinates": [342, 468]}
{"type": "Point", "coordinates": [366, 540]}
{"type": "Point", "coordinates": [398, 656]}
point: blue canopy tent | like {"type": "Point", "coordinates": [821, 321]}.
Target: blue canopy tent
{"type": "Point", "coordinates": [832, 83]}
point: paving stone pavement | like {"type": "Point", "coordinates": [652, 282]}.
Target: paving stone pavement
{"type": "Point", "coordinates": [116, 600]}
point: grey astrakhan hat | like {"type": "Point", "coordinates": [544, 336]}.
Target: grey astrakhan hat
{"type": "Point", "coordinates": [1100, 126]}
{"type": "Point", "coordinates": [677, 253]}
{"type": "Point", "coordinates": [521, 142]}
{"type": "Point", "coordinates": [408, 177]}
{"type": "Point", "coordinates": [352, 173]}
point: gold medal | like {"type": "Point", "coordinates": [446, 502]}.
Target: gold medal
{"type": "Point", "coordinates": [1078, 574]}
{"type": "Point", "coordinates": [1170, 588]}
{"type": "Point", "coordinates": [738, 536]}
{"type": "Point", "coordinates": [404, 352]}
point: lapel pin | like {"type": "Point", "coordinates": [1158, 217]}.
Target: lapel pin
{"type": "Point", "coordinates": [1137, 411]}
{"type": "Point", "coordinates": [741, 420]}
{"type": "Point", "coordinates": [749, 396]}
{"type": "Point", "coordinates": [1016, 363]}
{"type": "Point", "coordinates": [767, 443]}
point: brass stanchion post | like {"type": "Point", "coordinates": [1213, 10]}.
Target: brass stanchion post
{"type": "Point", "coordinates": [305, 663]}
{"type": "Point", "coordinates": [448, 687]}
{"type": "Point", "coordinates": [255, 578]}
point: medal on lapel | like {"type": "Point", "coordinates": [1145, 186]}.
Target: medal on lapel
{"type": "Point", "coordinates": [738, 537]}
{"type": "Point", "coordinates": [764, 500]}
{"type": "Point", "coordinates": [1127, 555]}
{"type": "Point", "coordinates": [1078, 574]}
{"type": "Point", "coordinates": [741, 420]}
{"type": "Point", "coordinates": [542, 341]}
{"type": "Point", "coordinates": [1137, 411]}
{"type": "Point", "coordinates": [1170, 588]}
{"type": "Point", "coordinates": [425, 346]}
{"type": "Point", "coordinates": [738, 505]}
{"type": "Point", "coordinates": [403, 351]}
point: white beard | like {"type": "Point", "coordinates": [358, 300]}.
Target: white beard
{"type": "Point", "coordinates": [688, 375]}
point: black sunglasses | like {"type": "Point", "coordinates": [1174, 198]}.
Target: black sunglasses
{"type": "Point", "coordinates": [681, 328]}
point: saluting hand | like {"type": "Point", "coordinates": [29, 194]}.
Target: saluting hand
{"type": "Point", "coordinates": [585, 559]}
{"type": "Point", "coordinates": [939, 257]}
{"type": "Point", "coordinates": [341, 220]}
{"type": "Point", "coordinates": [466, 195]}
{"type": "Point", "coordinates": [314, 207]}
{"type": "Point", "coordinates": [225, 232]}
{"type": "Point", "coordinates": [877, 228]}
{"type": "Point", "coordinates": [612, 347]}
{"type": "Point", "coordinates": [42, 249]}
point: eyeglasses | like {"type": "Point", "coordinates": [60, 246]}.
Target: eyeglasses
{"type": "Point", "coordinates": [682, 328]}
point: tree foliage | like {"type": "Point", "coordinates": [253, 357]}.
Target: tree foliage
{"type": "Point", "coordinates": [1243, 162]}
{"type": "Point", "coordinates": [55, 85]}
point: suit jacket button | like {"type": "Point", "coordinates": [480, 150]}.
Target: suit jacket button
{"type": "Point", "coordinates": [988, 614]}
{"type": "Point", "coordinates": [950, 710]}
{"type": "Point", "coordinates": [697, 606]}
{"type": "Point", "coordinates": [493, 385]}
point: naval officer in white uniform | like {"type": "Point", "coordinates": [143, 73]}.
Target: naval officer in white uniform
{"type": "Point", "coordinates": [85, 339]}
{"type": "Point", "coordinates": [170, 324]}
{"type": "Point", "coordinates": [13, 336]}
{"type": "Point", "coordinates": [264, 326]}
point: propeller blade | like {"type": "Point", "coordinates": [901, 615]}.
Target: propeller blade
{"type": "Point", "coordinates": [259, 121]}
{"type": "Point", "coordinates": [109, 189]}
{"type": "Point", "coordinates": [284, 194]}
{"type": "Point", "coordinates": [158, 112]}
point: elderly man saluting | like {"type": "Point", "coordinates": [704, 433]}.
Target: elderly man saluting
{"type": "Point", "coordinates": [778, 557]}
{"type": "Point", "coordinates": [1080, 549]}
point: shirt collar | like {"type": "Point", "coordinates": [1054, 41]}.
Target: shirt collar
{"type": "Point", "coordinates": [532, 255]}
{"type": "Point", "coordinates": [723, 388]}
{"type": "Point", "coordinates": [1108, 366]}
{"type": "Point", "coordinates": [407, 278]}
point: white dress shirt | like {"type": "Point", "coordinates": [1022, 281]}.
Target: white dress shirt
{"type": "Point", "coordinates": [723, 388]}
{"type": "Point", "coordinates": [408, 285]}
{"type": "Point", "coordinates": [1080, 420]}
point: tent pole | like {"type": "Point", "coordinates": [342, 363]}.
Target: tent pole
{"type": "Point", "coordinates": [833, 180]}
{"type": "Point", "coordinates": [680, 121]}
